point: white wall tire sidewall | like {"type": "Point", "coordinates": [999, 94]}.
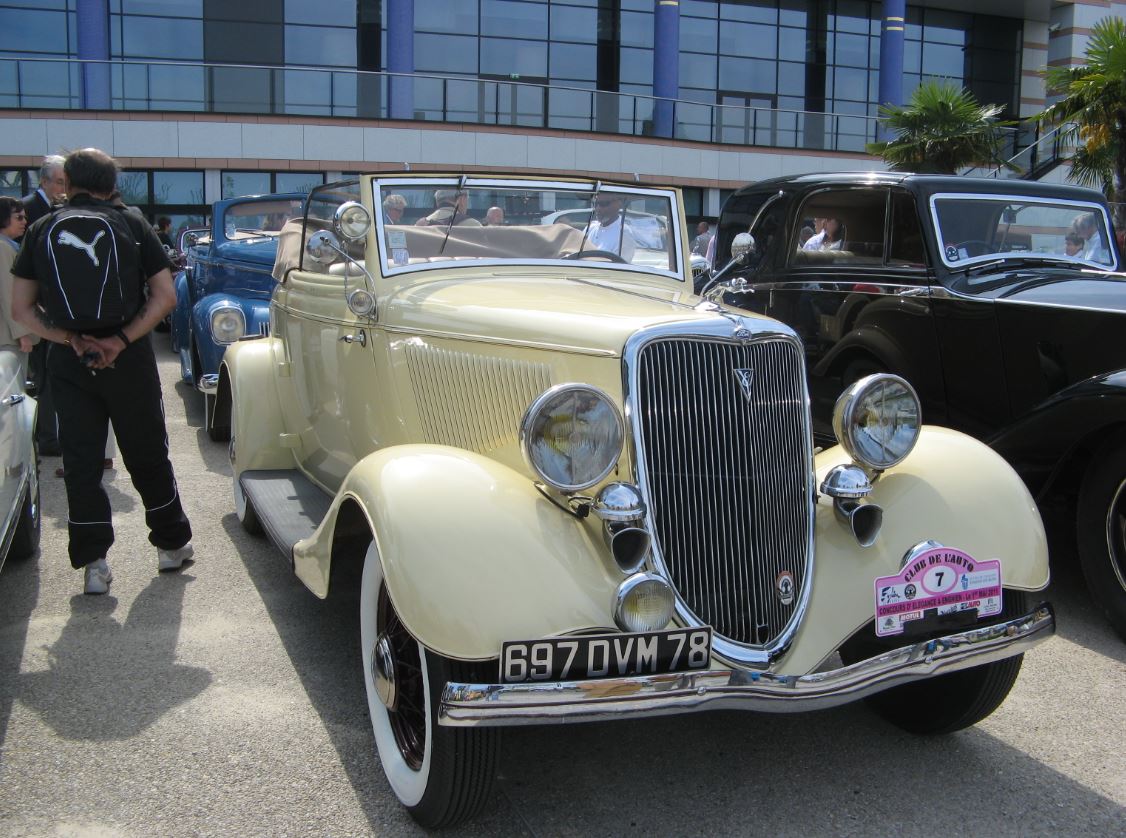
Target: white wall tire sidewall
{"type": "Point", "coordinates": [409, 785]}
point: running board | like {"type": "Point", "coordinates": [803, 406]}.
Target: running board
{"type": "Point", "coordinates": [289, 505]}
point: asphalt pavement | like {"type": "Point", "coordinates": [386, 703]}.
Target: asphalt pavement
{"type": "Point", "coordinates": [227, 700]}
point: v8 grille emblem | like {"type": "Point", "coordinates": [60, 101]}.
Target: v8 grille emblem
{"type": "Point", "coordinates": [746, 378]}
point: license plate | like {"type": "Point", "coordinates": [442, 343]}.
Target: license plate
{"type": "Point", "coordinates": [605, 655]}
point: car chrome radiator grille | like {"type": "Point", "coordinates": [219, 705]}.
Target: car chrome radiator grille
{"type": "Point", "coordinates": [725, 463]}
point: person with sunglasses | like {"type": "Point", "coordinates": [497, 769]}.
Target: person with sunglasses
{"type": "Point", "coordinates": [607, 229]}
{"type": "Point", "coordinates": [13, 222]}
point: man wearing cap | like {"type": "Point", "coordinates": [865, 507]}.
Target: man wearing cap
{"type": "Point", "coordinates": [451, 203]}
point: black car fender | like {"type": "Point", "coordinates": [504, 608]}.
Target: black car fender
{"type": "Point", "coordinates": [868, 343]}
{"type": "Point", "coordinates": [1051, 444]}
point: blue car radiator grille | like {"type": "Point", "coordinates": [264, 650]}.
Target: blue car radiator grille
{"type": "Point", "coordinates": [724, 461]}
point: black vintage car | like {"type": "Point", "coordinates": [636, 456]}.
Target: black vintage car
{"type": "Point", "coordinates": [998, 299]}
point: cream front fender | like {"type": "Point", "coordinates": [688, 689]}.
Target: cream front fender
{"type": "Point", "coordinates": [257, 433]}
{"type": "Point", "coordinates": [951, 489]}
{"type": "Point", "coordinates": [472, 553]}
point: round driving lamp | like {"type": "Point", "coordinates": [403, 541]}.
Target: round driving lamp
{"type": "Point", "coordinates": [877, 420]}
{"type": "Point", "coordinates": [572, 436]}
{"type": "Point", "coordinates": [644, 602]}
{"type": "Point", "coordinates": [227, 324]}
{"type": "Point", "coordinates": [352, 220]}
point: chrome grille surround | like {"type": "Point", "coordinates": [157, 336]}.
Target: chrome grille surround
{"type": "Point", "coordinates": [733, 524]}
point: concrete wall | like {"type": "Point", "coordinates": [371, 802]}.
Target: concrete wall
{"type": "Point", "coordinates": [214, 142]}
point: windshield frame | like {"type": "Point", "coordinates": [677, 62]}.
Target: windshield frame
{"type": "Point", "coordinates": [1018, 255]}
{"type": "Point", "coordinates": [585, 188]}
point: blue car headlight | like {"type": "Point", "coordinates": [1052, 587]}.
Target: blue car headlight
{"type": "Point", "coordinates": [227, 324]}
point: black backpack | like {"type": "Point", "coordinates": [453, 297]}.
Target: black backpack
{"type": "Point", "coordinates": [91, 261]}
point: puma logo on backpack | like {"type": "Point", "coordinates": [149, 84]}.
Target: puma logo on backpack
{"type": "Point", "coordinates": [67, 237]}
{"type": "Point", "coordinates": [93, 261]}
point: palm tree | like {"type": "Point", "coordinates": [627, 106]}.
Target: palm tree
{"type": "Point", "coordinates": [941, 130]}
{"type": "Point", "coordinates": [1094, 99]}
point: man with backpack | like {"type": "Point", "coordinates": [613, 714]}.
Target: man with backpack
{"type": "Point", "coordinates": [78, 282]}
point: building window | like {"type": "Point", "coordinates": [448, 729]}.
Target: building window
{"type": "Point", "coordinates": [236, 184]}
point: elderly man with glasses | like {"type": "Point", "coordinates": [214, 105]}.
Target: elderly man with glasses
{"type": "Point", "coordinates": [51, 191]}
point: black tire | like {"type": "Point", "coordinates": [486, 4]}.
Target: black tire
{"type": "Point", "coordinates": [945, 703]}
{"type": "Point", "coordinates": [442, 775]}
{"type": "Point", "coordinates": [1101, 530]}
{"type": "Point", "coordinates": [217, 432]}
{"type": "Point", "coordinates": [25, 540]}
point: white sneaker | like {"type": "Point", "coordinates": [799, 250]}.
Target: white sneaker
{"type": "Point", "coordinates": [98, 577]}
{"type": "Point", "coordinates": [173, 559]}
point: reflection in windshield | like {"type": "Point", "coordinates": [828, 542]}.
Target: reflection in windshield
{"type": "Point", "coordinates": [259, 218]}
{"type": "Point", "coordinates": [973, 229]}
{"type": "Point", "coordinates": [430, 222]}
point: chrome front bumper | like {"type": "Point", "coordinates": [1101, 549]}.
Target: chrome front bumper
{"type": "Point", "coordinates": [208, 383]}
{"type": "Point", "coordinates": [468, 705]}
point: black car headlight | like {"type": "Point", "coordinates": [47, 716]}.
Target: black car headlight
{"type": "Point", "coordinates": [572, 436]}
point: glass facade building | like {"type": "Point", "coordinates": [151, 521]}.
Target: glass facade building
{"type": "Point", "coordinates": [752, 72]}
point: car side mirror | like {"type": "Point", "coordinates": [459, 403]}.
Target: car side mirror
{"type": "Point", "coordinates": [323, 247]}
{"type": "Point", "coordinates": [742, 247]}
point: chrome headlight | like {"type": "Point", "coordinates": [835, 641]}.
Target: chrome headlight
{"type": "Point", "coordinates": [352, 220]}
{"type": "Point", "coordinates": [877, 420]}
{"type": "Point", "coordinates": [227, 324]}
{"type": "Point", "coordinates": [572, 436]}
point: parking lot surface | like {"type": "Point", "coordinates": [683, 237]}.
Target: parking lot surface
{"type": "Point", "coordinates": [227, 700]}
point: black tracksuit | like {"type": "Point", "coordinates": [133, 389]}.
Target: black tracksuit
{"type": "Point", "coordinates": [128, 394]}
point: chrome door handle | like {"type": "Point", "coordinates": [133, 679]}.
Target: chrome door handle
{"type": "Point", "coordinates": [15, 398]}
{"type": "Point", "coordinates": [361, 338]}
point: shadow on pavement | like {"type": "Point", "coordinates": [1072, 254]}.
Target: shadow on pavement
{"type": "Point", "coordinates": [19, 594]}
{"type": "Point", "coordinates": [108, 680]}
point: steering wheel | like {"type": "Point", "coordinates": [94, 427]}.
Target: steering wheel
{"type": "Point", "coordinates": [598, 254]}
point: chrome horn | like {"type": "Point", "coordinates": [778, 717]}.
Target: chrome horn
{"type": "Point", "coordinates": [621, 509]}
{"type": "Point", "coordinates": [848, 486]}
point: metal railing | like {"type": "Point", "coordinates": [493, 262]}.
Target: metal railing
{"type": "Point", "coordinates": [193, 87]}
{"type": "Point", "coordinates": [1032, 154]}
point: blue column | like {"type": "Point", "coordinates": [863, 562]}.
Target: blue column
{"type": "Point", "coordinates": [400, 58]}
{"type": "Point", "coordinates": [93, 44]}
{"type": "Point", "coordinates": [666, 65]}
{"type": "Point", "coordinates": [891, 56]}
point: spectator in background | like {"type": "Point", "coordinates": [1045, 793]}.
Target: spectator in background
{"type": "Point", "coordinates": [51, 191]}
{"type": "Point", "coordinates": [50, 194]}
{"type": "Point", "coordinates": [831, 236]}
{"type": "Point", "coordinates": [1087, 226]}
{"type": "Point", "coordinates": [13, 222]}
{"type": "Point", "coordinates": [451, 205]}
{"type": "Point", "coordinates": [494, 217]}
{"type": "Point", "coordinates": [164, 231]}
{"type": "Point", "coordinates": [393, 206]}
{"type": "Point", "coordinates": [703, 238]}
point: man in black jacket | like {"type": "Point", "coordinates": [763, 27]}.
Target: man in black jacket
{"type": "Point", "coordinates": [103, 373]}
{"type": "Point", "coordinates": [51, 191]}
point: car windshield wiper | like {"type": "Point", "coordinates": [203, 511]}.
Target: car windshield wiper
{"type": "Point", "coordinates": [1024, 261]}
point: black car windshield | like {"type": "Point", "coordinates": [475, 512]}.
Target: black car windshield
{"type": "Point", "coordinates": [974, 229]}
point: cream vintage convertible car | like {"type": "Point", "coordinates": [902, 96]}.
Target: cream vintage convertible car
{"type": "Point", "coordinates": [579, 491]}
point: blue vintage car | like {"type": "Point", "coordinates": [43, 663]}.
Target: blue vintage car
{"type": "Point", "coordinates": [223, 292]}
